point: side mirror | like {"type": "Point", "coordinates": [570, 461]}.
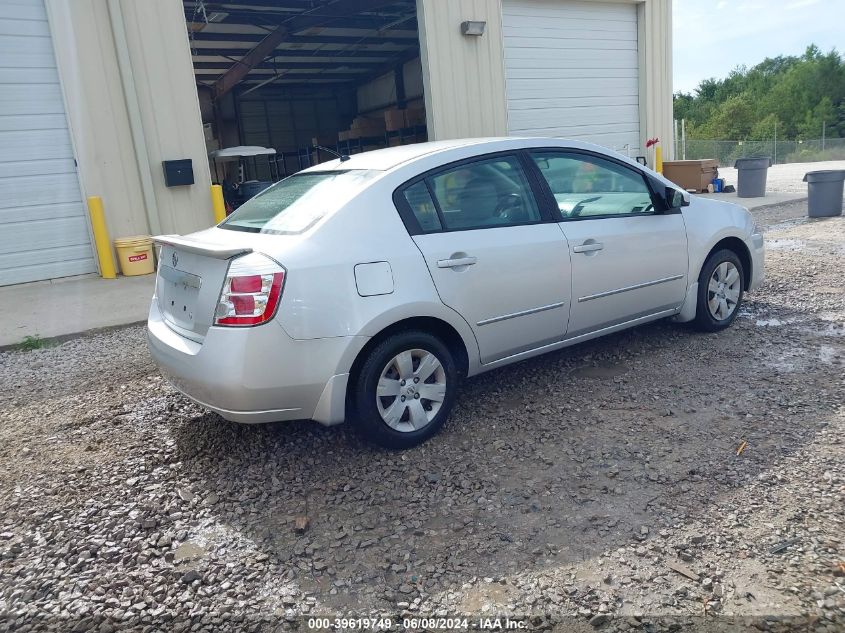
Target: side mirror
{"type": "Point", "coordinates": [675, 198]}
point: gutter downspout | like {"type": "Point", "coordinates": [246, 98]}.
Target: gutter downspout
{"type": "Point", "coordinates": [139, 143]}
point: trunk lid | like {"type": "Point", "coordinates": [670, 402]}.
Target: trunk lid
{"type": "Point", "coordinates": [191, 273]}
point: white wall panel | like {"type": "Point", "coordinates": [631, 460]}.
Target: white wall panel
{"type": "Point", "coordinates": [572, 71]}
{"type": "Point", "coordinates": [43, 223]}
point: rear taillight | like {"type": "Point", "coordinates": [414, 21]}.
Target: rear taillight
{"type": "Point", "coordinates": [251, 292]}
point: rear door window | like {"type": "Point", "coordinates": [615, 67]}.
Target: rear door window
{"type": "Point", "coordinates": [419, 200]}
{"type": "Point", "coordinates": [488, 193]}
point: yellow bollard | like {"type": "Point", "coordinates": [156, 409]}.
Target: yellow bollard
{"type": "Point", "coordinates": [658, 159]}
{"type": "Point", "coordinates": [218, 204]}
{"type": "Point", "coordinates": [101, 237]}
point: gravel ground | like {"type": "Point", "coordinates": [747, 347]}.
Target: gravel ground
{"type": "Point", "coordinates": [652, 480]}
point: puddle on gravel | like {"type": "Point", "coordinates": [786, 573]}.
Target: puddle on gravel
{"type": "Point", "coordinates": [188, 551]}
{"type": "Point", "coordinates": [785, 244]}
{"type": "Point", "coordinates": [599, 371]}
{"type": "Point", "coordinates": [769, 322]}
{"type": "Point", "coordinates": [786, 224]}
{"type": "Point", "coordinates": [787, 365]}
{"type": "Point", "coordinates": [834, 326]}
{"type": "Point", "coordinates": [804, 358]}
{"type": "Point", "coordinates": [832, 330]}
{"type": "Point", "coordinates": [829, 354]}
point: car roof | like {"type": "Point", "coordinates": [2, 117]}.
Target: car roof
{"type": "Point", "coordinates": [391, 157]}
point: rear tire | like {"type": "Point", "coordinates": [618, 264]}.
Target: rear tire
{"type": "Point", "coordinates": [721, 285]}
{"type": "Point", "coordinates": [404, 390]}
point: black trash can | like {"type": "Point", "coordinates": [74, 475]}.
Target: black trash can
{"type": "Point", "coordinates": [825, 192]}
{"type": "Point", "coordinates": [751, 176]}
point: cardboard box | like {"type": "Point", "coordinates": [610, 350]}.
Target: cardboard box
{"type": "Point", "coordinates": [692, 175]}
{"type": "Point", "coordinates": [414, 117]}
{"type": "Point", "coordinates": [394, 120]}
{"type": "Point", "coordinates": [368, 123]}
{"type": "Point", "coordinates": [326, 141]}
{"type": "Point", "coordinates": [366, 132]}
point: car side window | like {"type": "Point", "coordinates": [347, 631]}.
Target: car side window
{"type": "Point", "coordinates": [484, 194]}
{"type": "Point", "coordinates": [587, 186]}
{"type": "Point", "coordinates": [420, 202]}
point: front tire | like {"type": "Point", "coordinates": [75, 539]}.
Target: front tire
{"type": "Point", "coordinates": [721, 285]}
{"type": "Point", "coordinates": [404, 390]}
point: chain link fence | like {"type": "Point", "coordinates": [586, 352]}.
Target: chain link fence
{"type": "Point", "coordinates": [726, 152]}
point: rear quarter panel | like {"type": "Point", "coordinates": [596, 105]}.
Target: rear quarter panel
{"type": "Point", "coordinates": [321, 297]}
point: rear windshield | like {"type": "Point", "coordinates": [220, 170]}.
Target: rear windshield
{"type": "Point", "coordinates": [295, 204]}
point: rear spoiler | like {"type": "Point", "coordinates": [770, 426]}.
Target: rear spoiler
{"type": "Point", "coordinates": [218, 251]}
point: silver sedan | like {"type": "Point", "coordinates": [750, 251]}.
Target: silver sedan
{"type": "Point", "coordinates": [366, 288]}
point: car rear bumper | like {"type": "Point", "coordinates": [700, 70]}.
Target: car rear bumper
{"type": "Point", "coordinates": [257, 374]}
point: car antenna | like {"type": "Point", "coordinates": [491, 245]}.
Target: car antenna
{"type": "Point", "coordinates": [342, 157]}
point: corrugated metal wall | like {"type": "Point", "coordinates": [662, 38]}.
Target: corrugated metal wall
{"type": "Point", "coordinates": [464, 76]}
{"type": "Point", "coordinates": [572, 70]}
{"type": "Point", "coordinates": [44, 230]}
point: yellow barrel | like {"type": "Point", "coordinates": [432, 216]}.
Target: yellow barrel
{"type": "Point", "coordinates": [135, 255]}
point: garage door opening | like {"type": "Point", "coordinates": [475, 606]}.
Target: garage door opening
{"type": "Point", "coordinates": [294, 76]}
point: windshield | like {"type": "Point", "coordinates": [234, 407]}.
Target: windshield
{"type": "Point", "coordinates": [297, 203]}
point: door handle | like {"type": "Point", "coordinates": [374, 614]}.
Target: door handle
{"type": "Point", "coordinates": [588, 247]}
{"type": "Point", "coordinates": [456, 263]}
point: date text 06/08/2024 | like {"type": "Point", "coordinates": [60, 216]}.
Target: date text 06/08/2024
{"type": "Point", "coordinates": [416, 624]}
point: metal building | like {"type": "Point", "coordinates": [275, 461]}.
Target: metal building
{"type": "Point", "coordinates": [96, 94]}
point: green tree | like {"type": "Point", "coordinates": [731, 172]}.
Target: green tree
{"type": "Point", "coordinates": [766, 128]}
{"type": "Point", "coordinates": [797, 92]}
{"type": "Point", "coordinates": [732, 119]}
{"type": "Point", "coordinates": [839, 126]}
{"type": "Point", "coordinates": [823, 113]}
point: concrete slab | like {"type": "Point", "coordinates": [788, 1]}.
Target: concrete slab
{"type": "Point", "coordinates": [784, 183]}
{"type": "Point", "coordinates": [770, 199]}
{"type": "Point", "coordinates": [48, 309]}
{"type": "Point", "coordinates": [787, 178]}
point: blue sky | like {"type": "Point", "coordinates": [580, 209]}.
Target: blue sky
{"type": "Point", "coordinates": [711, 37]}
